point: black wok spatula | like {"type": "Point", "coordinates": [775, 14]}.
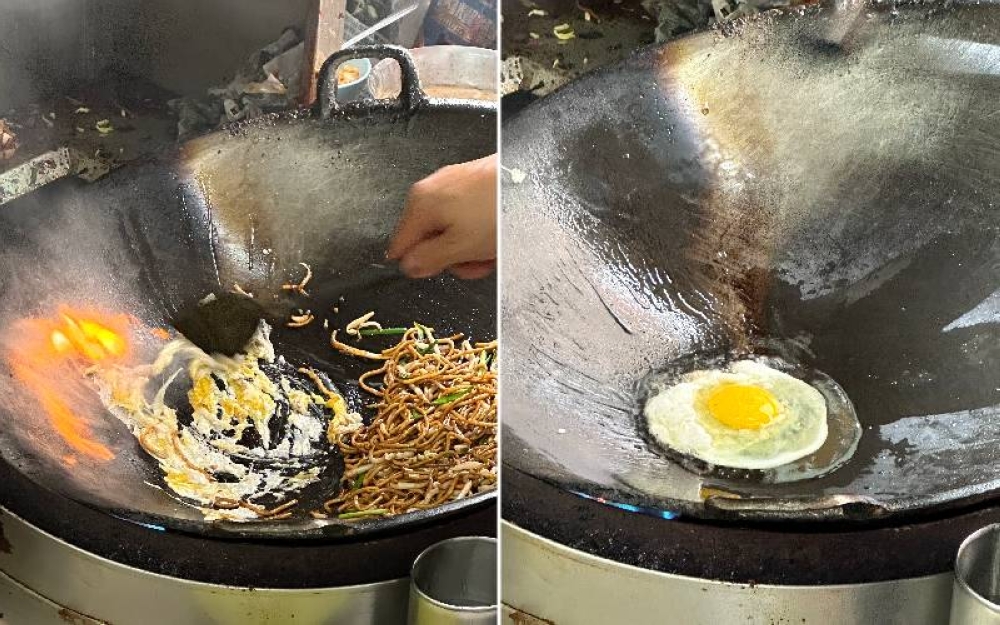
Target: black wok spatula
{"type": "Point", "coordinates": [223, 324]}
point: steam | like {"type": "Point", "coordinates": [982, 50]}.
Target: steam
{"type": "Point", "coordinates": [45, 44]}
{"type": "Point", "coordinates": [60, 251]}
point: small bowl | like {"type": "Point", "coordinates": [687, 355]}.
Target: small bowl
{"type": "Point", "coordinates": [353, 90]}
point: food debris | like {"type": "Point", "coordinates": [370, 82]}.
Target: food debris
{"type": "Point", "coordinates": [363, 322]}
{"type": "Point", "coordinates": [161, 334]}
{"type": "Point", "coordinates": [563, 32]}
{"type": "Point", "coordinates": [300, 288]}
{"type": "Point", "coordinates": [516, 175]}
{"type": "Point", "coordinates": [83, 110]}
{"type": "Point", "coordinates": [326, 324]}
{"type": "Point", "coordinates": [537, 13]}
{"type": "Point", "coordinates": [238, 289]}
{"type": "Point", "coordinates": [344, 348]}
{"type": "Point", "coordinates": [78, 129]}
{"type": "Point", "coordinates": [301, 320]}
{"type": "Point", "coordinates": [48, 122]}
{"type": "Point", "coordinates": [588, 14]}
{"type": "Point", "coordinates": [534, 35]}
{"type": "Point", "coordinates": [8, 141]}
{"type": "Point", "coordinates": [104, 127]}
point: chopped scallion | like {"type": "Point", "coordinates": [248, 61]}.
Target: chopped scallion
{"type": "Point", "coordinates": [383, 331]}
{"type": "Point", "coordinates": [363, 513]}
{"type": "Point", "coordinates": [450, 397]}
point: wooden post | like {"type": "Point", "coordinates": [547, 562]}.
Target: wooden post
{"type": "Point", "coordinates": [324, 36]}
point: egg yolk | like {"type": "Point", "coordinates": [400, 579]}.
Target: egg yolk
{"type": "Point", "coordinates": [741, 406]}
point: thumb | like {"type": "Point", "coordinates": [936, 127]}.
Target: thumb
{"type": "Point", "coordinates": [415, 225]}
{"type": "Point", "coordinates": [431, 256]}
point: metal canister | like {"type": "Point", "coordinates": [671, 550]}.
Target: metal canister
{"type": "Point", "coordinates": [454, 582]}
{"type": "Point", "coordinates": [976, 594]}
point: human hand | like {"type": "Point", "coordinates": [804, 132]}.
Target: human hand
{"type": "Point", "coordinates": [450, 223]}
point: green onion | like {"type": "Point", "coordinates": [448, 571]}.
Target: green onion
{"type": "Point", "coordinates": [415, 414]}
{"type": "Point", "coordinates": [383, 331]}
{"type": "Point", "coordinates": [423, 351]}
{"type": "Point", "coordinates": [447, 399]}
{"type": "Point", "coordinates": [363, 513]}
{"type": "Point", "coordinates": [359, 481]}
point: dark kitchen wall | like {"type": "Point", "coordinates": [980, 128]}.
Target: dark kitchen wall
{"type": "Point", "coordinates": [189, 45]}
{"type": "Point", "coordinates": [43, 44]}
{"type": "Point", "coordinates": [49, 46]}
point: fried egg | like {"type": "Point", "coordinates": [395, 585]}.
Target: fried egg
{"type": "Point", "coordinates": [749, 416]}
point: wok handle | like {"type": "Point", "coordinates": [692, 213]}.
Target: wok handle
{"type": "Point", "coordinates": [411, 96]}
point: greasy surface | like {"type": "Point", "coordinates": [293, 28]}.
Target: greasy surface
{"type": "Point", "coordinates": [239, 206]}
{"type": "Point", "coordinates": [760, 188]}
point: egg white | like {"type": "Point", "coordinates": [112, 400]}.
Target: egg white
{"type": "Point", "coordinates": [676, 420]}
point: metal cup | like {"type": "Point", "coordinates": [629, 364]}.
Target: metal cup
{"type": "Point", "coordinates": [454, 582]}
{"type": "Point", "coordinates": [976, 594]}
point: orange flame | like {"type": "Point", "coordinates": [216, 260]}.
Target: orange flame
{"type": "Point", "coordinates": [75, 338]}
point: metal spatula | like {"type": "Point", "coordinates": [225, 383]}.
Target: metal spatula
{"type": "Point", "coordinates": [223, 324]}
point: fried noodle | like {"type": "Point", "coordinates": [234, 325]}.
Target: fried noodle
{"type": "Point", "coordinates": [433, 438]}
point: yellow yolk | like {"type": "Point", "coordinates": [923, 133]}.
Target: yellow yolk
{"type": "Point", "coordinates": [741, 406]}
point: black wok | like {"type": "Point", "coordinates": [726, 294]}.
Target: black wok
{"type": "Point", "coordinates": [762, 186]}
{"type": "Point", "coordinates": [243, 205]}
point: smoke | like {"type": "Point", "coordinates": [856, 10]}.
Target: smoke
{"type": "Point", "coordinates": [43, 45]}
{"type": "Point", "coordinates": [62, 252]}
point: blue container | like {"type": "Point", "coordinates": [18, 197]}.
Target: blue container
{"type": "Point", "coordinates": [353, 90]}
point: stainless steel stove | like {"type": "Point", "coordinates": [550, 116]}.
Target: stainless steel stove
{"type": "Point", "coordinates": [548, 583]}
{"type": "Point", "coordinates": [47, 580]}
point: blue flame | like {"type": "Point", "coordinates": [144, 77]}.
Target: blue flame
{"type": "Point", "coordinates": [663, 514]}
{"type": "Point", "coordinates": [158, 528]}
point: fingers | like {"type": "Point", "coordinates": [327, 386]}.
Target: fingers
{"type": "Point", "coordinates": [430, 257]}
{"type": "Point", "coordinates": [417, 223]}
{"type": "Point", "coordinates": [473, 271]}
{"type": "Point", "coordinates": [449, 222]}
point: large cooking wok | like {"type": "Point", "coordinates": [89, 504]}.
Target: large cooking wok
{"type": "Point", "coordinates": [243, 205]}
{"type": "Point", "coordinates": [765, 186]}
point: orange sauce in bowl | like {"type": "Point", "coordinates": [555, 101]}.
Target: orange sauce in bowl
{"type": "Point", "coordinates": [347, 73]}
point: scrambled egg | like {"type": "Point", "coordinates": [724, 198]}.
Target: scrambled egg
{"type": "Point", "coordinates": [207, 462]}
